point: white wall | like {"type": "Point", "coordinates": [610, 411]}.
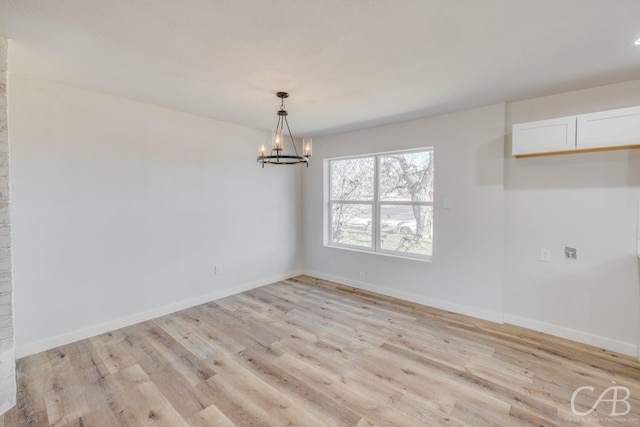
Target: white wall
{"type": "Point", "coordinates": [587, 201]}
{"type": "Point", "coordinates": [122, 209]}
{"type": "Point", "coordinates": [467, 272]}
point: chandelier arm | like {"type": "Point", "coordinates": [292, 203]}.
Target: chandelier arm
{"type": "Point", "coordinates": [279, 124]}
{"type": "Point", "coordinates": [291, 136]}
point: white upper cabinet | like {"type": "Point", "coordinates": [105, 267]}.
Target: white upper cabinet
{"type": "Point", "coordinates": [604, 130]}
{"type": "Point", "coordinates": [613, 128]}
{"type": "Point", "coordinates": [544, 136]}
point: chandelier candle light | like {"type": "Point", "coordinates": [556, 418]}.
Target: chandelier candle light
{"type": "Point", "coordinates": [276, 157]}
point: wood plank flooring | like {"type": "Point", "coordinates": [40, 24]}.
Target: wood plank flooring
{"type": "Point", "coordinates": [305, 352]}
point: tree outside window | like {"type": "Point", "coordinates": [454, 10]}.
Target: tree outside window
{"type": "Point", "coordinates": [383, 203]}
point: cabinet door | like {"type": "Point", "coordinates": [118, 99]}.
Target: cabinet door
{"type": "Point", "coordinates": [544, 136]}
{"type": "Point", "coordinates": [612, 128]}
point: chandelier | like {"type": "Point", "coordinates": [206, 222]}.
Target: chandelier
{"type": "Point", "coordinates": [277, 155]}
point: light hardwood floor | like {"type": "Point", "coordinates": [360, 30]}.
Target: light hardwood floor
{"type": "Point", "coordinates": [305, 352]}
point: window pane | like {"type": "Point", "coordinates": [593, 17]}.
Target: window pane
{"type": "Point", "coordinates": [352, 179]}
{"type": "Point", "coordinates": [406, 229]}
{"type": "Point", "coordinates": [406, 176]}
{"type": "Point", "coordinates": [351, 224]}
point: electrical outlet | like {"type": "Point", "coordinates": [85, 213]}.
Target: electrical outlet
{"type": "Point", "coordinates": [545, 255]}
{"type": "Point", "coordinates": [570, 253]}
{"type": "Point", "coordinates": [361, 276]}
{"type": "Point", "coordinates": [218, 269]}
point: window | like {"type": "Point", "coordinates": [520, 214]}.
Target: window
{"type": "Point", "coordinates": [382, 203]}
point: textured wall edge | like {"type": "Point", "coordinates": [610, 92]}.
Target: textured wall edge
{"type": "Point", "coordinates": [7, 342]}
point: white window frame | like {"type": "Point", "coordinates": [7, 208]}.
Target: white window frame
{"type": "Point", "coordinates": [376, 205]}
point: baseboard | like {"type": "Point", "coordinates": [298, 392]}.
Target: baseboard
{"type": "Point", "coordinates": [535, 325]}
{"type": "Point", "coordinates": [91, 331]}
{"type": "Point", "coordinates": [573, 335]}
{"type": "Point", "coordinates": [409, 296]}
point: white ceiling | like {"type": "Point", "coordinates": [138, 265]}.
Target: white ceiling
{"type": "Point", "coordinates": [347, 64]}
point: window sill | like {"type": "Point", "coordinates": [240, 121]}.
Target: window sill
{"type": "Point", "coordinates": [428, 259]}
